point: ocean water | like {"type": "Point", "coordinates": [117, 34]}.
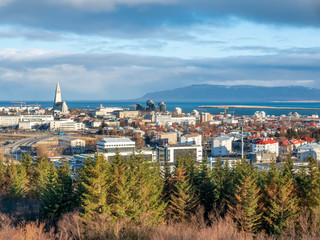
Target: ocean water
{"type": "Point", "coordinates": [188, 107]}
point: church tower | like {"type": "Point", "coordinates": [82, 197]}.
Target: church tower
{"type": "Point", "coordinates": [59, 106]}
{"type": "Point", "coordinates": [57, 98]}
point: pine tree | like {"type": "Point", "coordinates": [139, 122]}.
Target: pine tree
{"type": "Point", "coordinates": [280, 200]}
{"type": "Point", "coordinates": [205, 187]}
{"type": "Point", "coordinates": [26, 163]}
{"type": "Point", "coordinates": [94, 197]}
{"type": "Point", "coordinates": [183, 200]}
{"type": "Point", "coordinates": [57, 196]}
{"type": "Point", "coordinates": [50, 194]}
{"type": "Point", "coordinates": [245, 205]}
{"type": "Point", "coordinates": [40, 176]}
{"type": "Point", "coordinates": [19, 185]}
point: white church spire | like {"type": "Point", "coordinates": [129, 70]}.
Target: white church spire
{"type": "Point", "coordinates": [58, 98]}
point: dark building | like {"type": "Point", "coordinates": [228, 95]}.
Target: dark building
{"type": "Point", "coordinates": [162, 107]}
{"type": "Point", "coordinates": [150, 105]}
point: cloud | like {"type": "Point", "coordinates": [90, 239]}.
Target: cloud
{"type": "Point", "coordinates": [150, 18]}
{"type": "Point", "coordinates": [33, 75]}
{"type": "Point", "coordinates": [109, 5]}
{"type": "Point", "coordinates": [5, 2]}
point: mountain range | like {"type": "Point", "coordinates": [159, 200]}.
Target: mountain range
{"type": "Point", "coordinates": [241, 93]}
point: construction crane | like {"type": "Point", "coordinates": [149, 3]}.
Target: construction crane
{"type": "Point", "coordinates": [20, 103]}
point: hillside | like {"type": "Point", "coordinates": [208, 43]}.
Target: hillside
{"type": "Point", "coordinates": [242, 93]}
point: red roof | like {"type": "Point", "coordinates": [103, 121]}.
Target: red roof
{"type": "Point", "coordinates": [266, 141]}
{"type": "Point", "coordinates": [308, 139]}
{"type": "Point", "coordinates": [295, 141]}
{"type": "Point", "coordinates": [286, 143]}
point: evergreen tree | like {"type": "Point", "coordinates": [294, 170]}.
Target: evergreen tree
{"type": "Point", "coordinates": [40, 176]}
{"type": "Point", "coordinates": [245, 205]}
{"type": "Point", "coordinates": [94, 197]}
{"type": "Point", "coordinates": [183, 201]}
{"type": "Point", "coordinates": [50, 194]}
{"type": "Point", "coordinates": [19, 185]}
{"type": "Point", "coordinates": [57, 196]}
{"type": "Point", "coordinates": [280, 200]}
{"type": "Point", "coordinates": [26, 163]}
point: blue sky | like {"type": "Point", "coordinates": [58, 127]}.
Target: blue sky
{"type": "Point", "coordinates": [122, 49]}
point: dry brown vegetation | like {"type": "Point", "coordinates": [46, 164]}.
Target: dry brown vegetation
{"type": "Point", "coordinates": [71, 226]}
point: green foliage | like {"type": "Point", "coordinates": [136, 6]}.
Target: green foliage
{"type": "Point", "coordinates": [57, 196]}
{"type": "Point", "coordinates": [183, 201]}
{"type": "Point", "coordinates": [135, 190]}
{"type": "Point", "coordinates": [40, 176]}
{"type": "Point", "coordinates": [280, 200]}
{"type": "Point", "coordinates": [244, 207]}
{"type": "Point", "coordinates": [19, 184]}
{"type": "Point", "coordinates": [94, 184]}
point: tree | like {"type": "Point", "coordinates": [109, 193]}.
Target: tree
{"type": "Point", "coordinates": [40, 175]}
{"type": "Point", "coordinates": [244, 206]}
{"type": "Point", "coordinates": [26, 163]}
{"type": "Point", "coordinates": [19, 185]}
{"type": "Point", "coordinates": [57, 197]}
{"type": "Point", "coordinates": [183, 201]}
{"type": "Point", "coordinates": [50, 194]}
{"type": "Point", "coordinates": [280, 200]}
{"type": "Point", "coordinates": [94, 184]}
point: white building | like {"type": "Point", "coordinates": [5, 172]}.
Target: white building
{"type": "Point", "coordinates": [191, 139]}
{"type": "Point", "coordinates": [112, 144]}
{"type": "Point", "coordinates": [266, 145]}
{"type": "Point", "coordinates": [260, 114]}
{"type": "Point", "coordinates": [103, 111]}
{"type": "Point", "coordinates": [177, 110]}
{"type": "Point", "coordinates": [15, 120]}
{"type": "Point", "coordinates": [148, 154]}
{"type": "Point", "coordinates": [307, 150]}
{"type": "Point", "coordinates": [221, 146]}
{"type": "Point", "coordinates": [72, 145]}
{"type": "Point", "coordinates": [66, 125]}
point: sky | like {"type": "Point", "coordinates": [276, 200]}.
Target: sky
{"type": "Point", "coordinates": [123, 49]}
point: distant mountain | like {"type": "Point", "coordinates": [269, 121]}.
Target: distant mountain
{"type": "Point", "coordinates": [241, 93]}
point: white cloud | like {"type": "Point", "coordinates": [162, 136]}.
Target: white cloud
{"type": "Point", "coordinates": [5, 2]}
{"type": "Point", "coordinates": [107, 5]}
{"type": "Point", "coordinates": [28, 54]}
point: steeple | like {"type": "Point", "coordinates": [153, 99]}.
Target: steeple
{"type": "Point", "coordinates": [58, 98]}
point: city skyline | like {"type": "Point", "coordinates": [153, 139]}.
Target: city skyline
{"type": "Point", "coordinates": [123, 49]}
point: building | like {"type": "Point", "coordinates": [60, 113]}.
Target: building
{"type": "Point", "coordinates": [170, 154]}
{"type": "Point", "coordinates": [150, 105]}
{"type": "Point", "coordinates": [307, 150]}
{"type": "Point", "coordinates": [266, 146]}
{"type": "Point", "coordinates": [162, 107]}
{"type": "Point", "coordinates": [66, 125]}
{"type": "Point", "coordinates": [177, 110]}
{"type": "Point", "coordinates": [113, 144]}
{"type": "Point", "coordinates": [263, 157]}
{"type": "Point", "coordinates": [205, 117]}
{"type": "Point", "coordinates": [72, 145]}
{"type": "Point", "coordinates": [59, 106]}
{"type": "Point", "coordinates": [127, 114]}
{"type": "Point", "coordinates": [191, 139]}
{"type": "Point", "coordinates": [104, 111]}
{"type": "Point", "coordinates": [148, 154]}
{"type": "Point", "coordinates": [221, 146]}
{"type": "Point", "coordinates": [170, 138]}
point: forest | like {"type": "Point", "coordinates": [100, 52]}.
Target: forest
{"type": "Point", "coordinates": [129, 198]}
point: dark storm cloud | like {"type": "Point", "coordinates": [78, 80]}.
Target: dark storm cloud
{"type": "Point", "coordinates": [151, 18]}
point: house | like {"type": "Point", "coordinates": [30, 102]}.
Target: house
{"type": "Point", "coordinates": [221, 146]}
{"type": "Point", "coordinates": [266, 146]}
{"type": "Point", "coordinates": [72, 145]}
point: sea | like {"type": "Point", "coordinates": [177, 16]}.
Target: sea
{"type": "Point", "coordinates": [188, 107]}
